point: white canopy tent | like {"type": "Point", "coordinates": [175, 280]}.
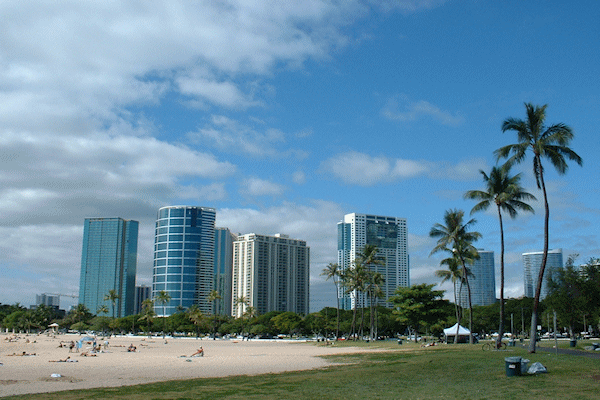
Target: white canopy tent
{"type": "Point", "coordinates": [463, 333]}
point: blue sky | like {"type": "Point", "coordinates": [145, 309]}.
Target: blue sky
{"type": "Point", "coordinates": [284, 117]}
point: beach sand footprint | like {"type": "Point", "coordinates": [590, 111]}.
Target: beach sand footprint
{"type": "Point", "coordinates": [61, 378]}
{"type": "Point", "coordinates": [9, 381]}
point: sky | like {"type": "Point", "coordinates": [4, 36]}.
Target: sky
{"type": "Point", "coordinates": [284, 116]}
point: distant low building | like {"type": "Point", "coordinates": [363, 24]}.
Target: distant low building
{"type": "Point", "coordinates": [47, 300]}
{"type": "Point", "coordinates": [141, 293]}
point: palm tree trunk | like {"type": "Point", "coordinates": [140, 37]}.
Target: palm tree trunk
{"type": "Point", "coordinates": [337, 297]}
{"type": "Point", "coordinates": [353, 328]}
{"type": "Point", "coordinates": [470, 312]}
{"type": "Point", "coordinates": [538, 290]}
{"type": "Point", "coordinates": [501, 324]}
{"type": "Point", "coordinates": [371, 315]}
{"type": "Point", "coordinates": [362, 316]}
{"type": "Point", "coordinates": [459, 313]}
{"type": "Point", "coordinates": [470, 304]}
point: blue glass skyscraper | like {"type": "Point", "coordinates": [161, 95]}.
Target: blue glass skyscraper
{"type": "Point", "coordinates": [184, 258]}
{"type": "Point", "coordinates": [531, 269]}
{"type": "Point", "coordinates": [108, 262]}
{"type": "Point", "coordinates": [223, 269]}
{"type": "Point", "coordinates": [482, 282]}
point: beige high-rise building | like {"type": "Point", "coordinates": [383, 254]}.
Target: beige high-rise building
{"type": "Point", "coordinates": [271, 273]}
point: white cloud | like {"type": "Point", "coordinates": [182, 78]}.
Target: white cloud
{"type": "Point", "coordinates": [299, 177]}
{"type": "Point", "coordinates": [401, 108]}
{"type": "Point", "coordinates": [316, 223]}
{"type": "Point", "coordinates": [48, 179]}
{"type": "Point", "coordinates": [260, 187]}
{"type": "Point", "coordinates": [223, 93]}
{"type": "Point", "coordinates": [231, 136]}
{"type": "Point", "coordinates": [365, 170]}
{"type": "Point", "coordinates": [71, 61]}
{"type": "Point", "coordinates": [407, 6]}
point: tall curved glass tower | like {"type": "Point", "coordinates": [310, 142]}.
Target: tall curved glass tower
{"type": "Point", "coordinates": [183, 258]}
{"type": "Point", "coordinates": [532, 262]}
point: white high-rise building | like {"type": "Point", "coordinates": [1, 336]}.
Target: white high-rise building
{"type": "Point", "coordinates": [482, 283]}
{"type": "Point", "coordinates": [271, 273]}
{"type": "Point", "coordinates": [390, 235]}
{"type": "Point", "coordinates": [531, 269]}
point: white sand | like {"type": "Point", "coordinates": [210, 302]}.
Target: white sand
{"type": "Point", "coordinates": [154, 361]}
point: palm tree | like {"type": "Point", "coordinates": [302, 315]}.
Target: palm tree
{"type": "Point", "coordinates": [507, 193]}
{"type": "Point", "coordinates": [332, 270]}
{"type": "Point", "coordinates": [163, 298]}
{"type": "Point", "coordinates": [240, 302]}
{"type": "Point", "coordinates": [354, 281]}
{"type": "Point", "coordinates": [102, 309]}
{"type": "Point", "coordinates": [454, 273]}
{"type": "Point", "coordinates": [112, 296]}
{"type": "Point", "coordinates": [214, 296]}
{"type": "Point", "coordinates": [147, 312]}
{"type": "Point", "coordinates": [550, 143]}
{"type": "Point", "coordinates": [196, 316]}
{"type": "Point", "coordinates": [454, 238]}
{"type": "Point", "coordinates": [80, 311]}
{"type": "Point", "coordinates": [369, 258]}
{"type": "Point", "coordinates": [373, 286]}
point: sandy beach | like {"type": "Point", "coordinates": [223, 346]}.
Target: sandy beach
{"type": "Point", "coordinates": [153, 361]}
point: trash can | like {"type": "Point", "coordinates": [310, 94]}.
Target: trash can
{"type": "Point", "coordinates": [399, 341]}
{"type": "Point", "coordinates": [513, 366]}
{"type": "Point", "coordinates": [573, 343]}
{"type": "Point", "coordinates": [524, 363]}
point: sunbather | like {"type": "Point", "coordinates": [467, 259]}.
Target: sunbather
{"type": "Point", "coordinates": [198, 353]}
{"type": "Point", "coordinates": [68, 359]}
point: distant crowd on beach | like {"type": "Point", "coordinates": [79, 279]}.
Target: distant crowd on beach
{"type": "Point", "coordinates": [86, 347]}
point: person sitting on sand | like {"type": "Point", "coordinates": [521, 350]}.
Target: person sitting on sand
{"type": "Point", "coordinates": [131, 348]}
{"type": "Point", "coordinates": [198, 353]}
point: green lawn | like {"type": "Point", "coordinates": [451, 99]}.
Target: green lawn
{"type": "Point", "coordinates": [443, 372]}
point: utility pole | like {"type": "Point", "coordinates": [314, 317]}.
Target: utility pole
{"type": "Point", "coordinates": [512, 327]}
{"type": "Point", "coordinates": [555, 335]}
{"type": "Point", "coordinates": [522, 321]}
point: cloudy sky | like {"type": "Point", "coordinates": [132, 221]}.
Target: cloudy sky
{"type": "Point", "coordinates": [284, 116]}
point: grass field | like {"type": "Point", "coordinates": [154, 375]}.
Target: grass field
{"type": "Point", "coordinates": [441, 372]}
